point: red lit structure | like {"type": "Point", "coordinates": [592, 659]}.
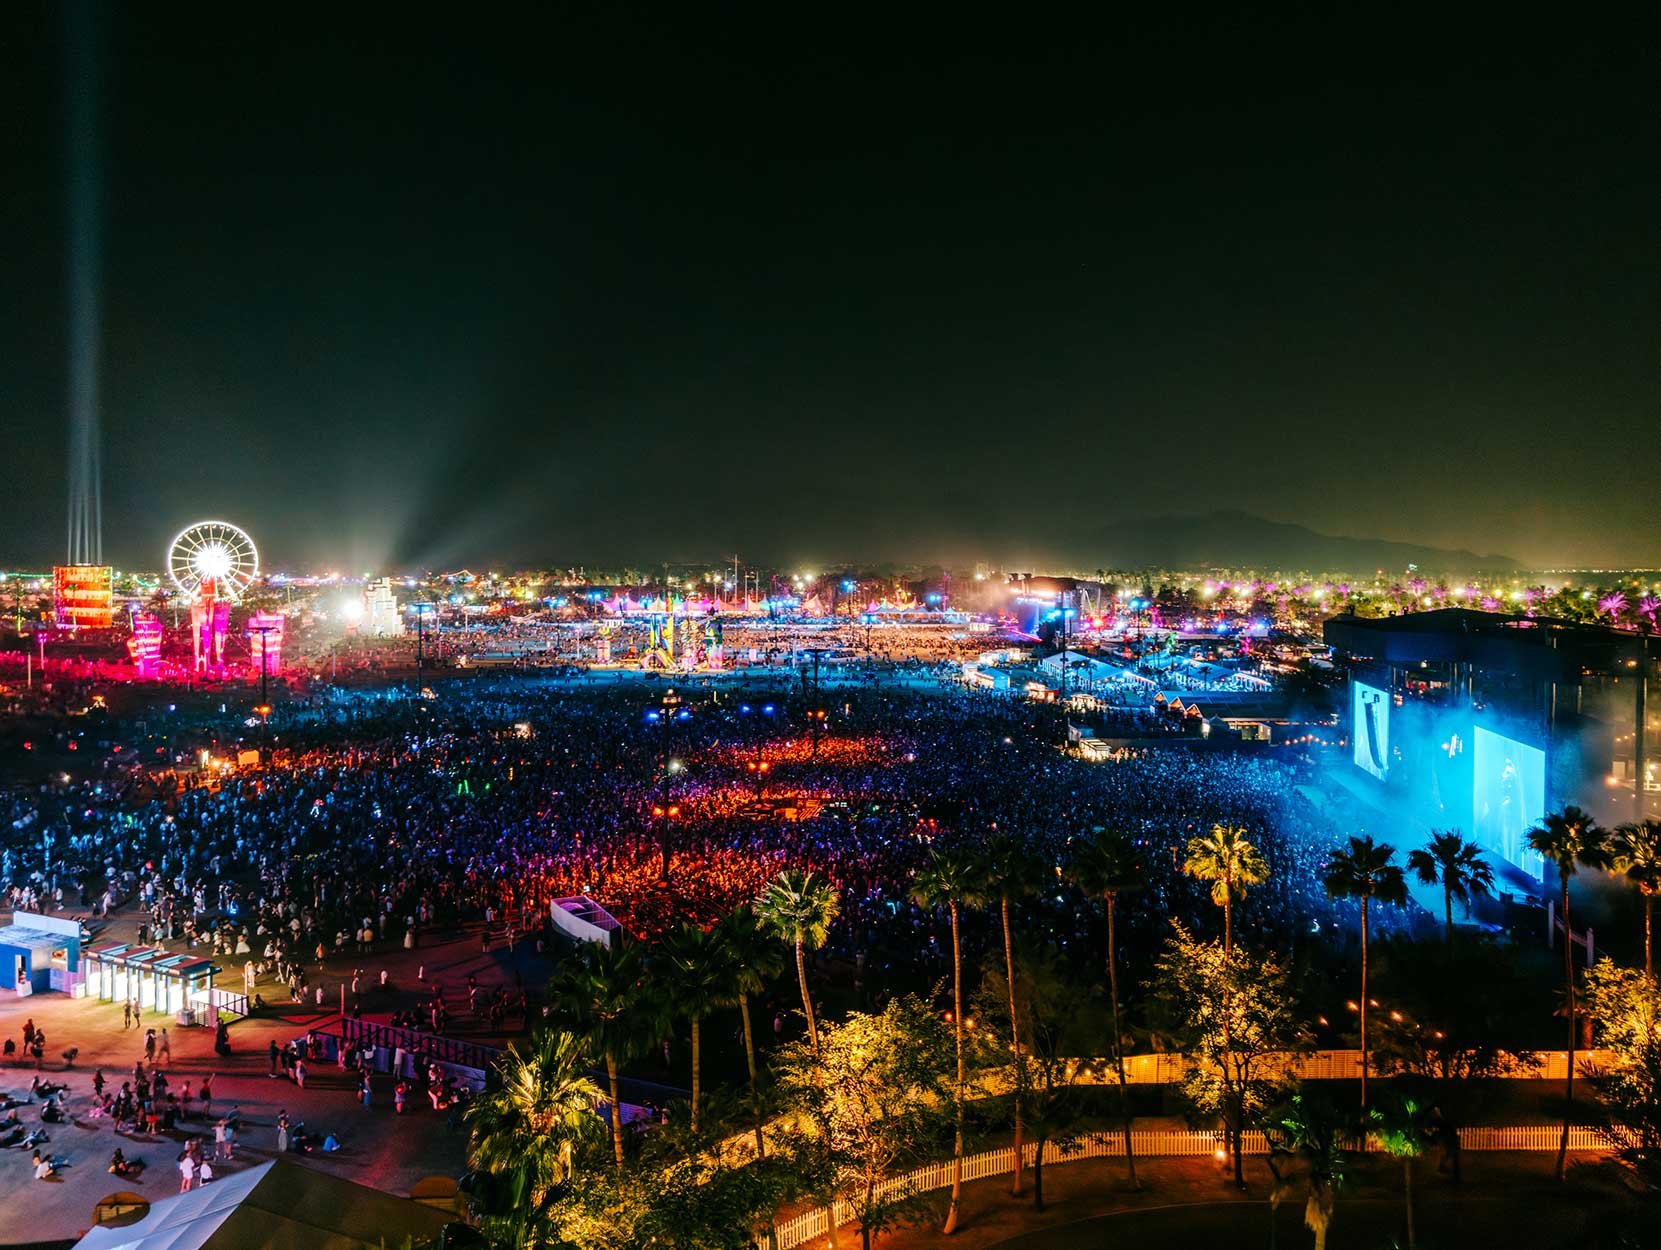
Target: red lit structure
{"type": "Point", "coordinates": [145, 646]}
{"type": "Point", "coordinates": [210, 620]}
{"type": "Point", "coordinates": [265, 643]}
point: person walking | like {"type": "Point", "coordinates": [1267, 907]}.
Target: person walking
{"type": "Point", "coordinates": [282, 1132]}
{"type": "Point", "coordinates": [164, 1051]}
{"type": "Point", "coordinates": [126, 1016]}
{"type": "Point", "coordinates": [205, 1093]}
{"type": "Point", "coordinates": [274, 1053]}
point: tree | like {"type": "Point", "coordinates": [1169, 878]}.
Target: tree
{"type": "Point", "coordinates": [1637, 857]}
{"type": "Point", "coordinates": [799, 908]}
{"type": "Point", "coordinates": [1625, 1007]}
{"type": "Point", "coordinates": [877, 1094]}
{"type": "Point", "coordinates": [1569, 840]}
{"type": "Point", "coordinates": [952, 880]}
{"type": "Point", "coordinates": [1226, 858]}
{"type": "Point", "coordinates": [1307, 1131]}
{"type": "Point", "coordinates": [1012, 872]}
{"type": "Point", "coordinates": [523, 1133]}
{"type": "Point", "coordinates": [601, 992]}
{"type": "Point", "coordinates": [1236, 1015]}
{"type": "Point", "coordinates": [1363, 870]}
{"type": "Point", "coordinates": [694, 963]}
{"type": "Point", "coordinates": [1458, 866]}
{"type": "Point", "coordinates": [1456, 1005]}
{"type": "Point", "coordinates": [1060, 1023]}
{"type": "Point", "coordinates": [753, 959]}
{"type": "Point", "coordinates": [1404, 1126]}
{"type": "Point", "coordinates": [1106, 866]}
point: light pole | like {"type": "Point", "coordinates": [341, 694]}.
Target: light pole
{"type": "Point", "coordinates": [421, 610]}
{"type": "Point", "coordinates": [665, 812]}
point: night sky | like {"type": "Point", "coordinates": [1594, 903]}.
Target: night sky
{"type": "Point", "coordinates": [823, 283]}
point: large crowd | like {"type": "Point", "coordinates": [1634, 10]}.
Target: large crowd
{"type": "Point", "coordinates": [380, 817]}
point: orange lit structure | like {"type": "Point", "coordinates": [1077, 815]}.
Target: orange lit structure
{"type": "Point", "coordinates": [83, 596]}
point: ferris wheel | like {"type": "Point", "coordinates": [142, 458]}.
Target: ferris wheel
{"type": "Point", "coordinates": [215, 554]}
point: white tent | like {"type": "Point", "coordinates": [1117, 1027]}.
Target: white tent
{"type": "Point", "coordinates": [281, 1205]}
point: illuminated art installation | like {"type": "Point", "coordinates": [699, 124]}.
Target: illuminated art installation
{"type": "Point", "coordinates": [212, 563]}
{"type": "Point", "coordinates": [675, 643]}
{"type": "Point", "coordinates": [382, 618]}
{"type": "Point", "coordinates": [145, 646]}
{"type": "Point", "coordinates": [83, 596]}
{"type": "Point", "coordinates": [265, 643]}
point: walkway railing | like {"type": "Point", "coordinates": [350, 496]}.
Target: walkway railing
{"type": "Point", "coordinates": [433, 1045]}
{"type": "Point", "coordinates": [228, 1001]}
{"type": "Point", "coordinates": [1148, 1143]}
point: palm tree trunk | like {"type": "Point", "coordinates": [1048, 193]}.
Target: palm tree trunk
{"type": "Point", "coordinates": [1649, 948]}
{"type": "Point", "coordinates": [807, 1003]}
{"type": "Point", "coordinates": [1365, 899]}
{"type": "Point", "coordinates": [1407, 1189]}
{"type": "Point", "coordinates": [697, 1062]}
{"type": "Point", "coordinates": [1038, 1174]}
{"type": "Point", "coordinates": [1014, 1041]}
{"type": "Point", "coordinates": [957, 1020]}
{"type": "Point", "coordinates": [1568, 1080]}
{"type": "Point", "coordinates": [1447, 902]}
{"type": "Point", "coordinates": [616, 1109]}
{"type": "Point", "coordinates": [750, 1056]}
{"type": "Point", "coordinates": [749, 1037]}
{"type": "Point", "coordinates": [1228, 920]}
{"type": "Point", "coordinates": [1118, 1036]}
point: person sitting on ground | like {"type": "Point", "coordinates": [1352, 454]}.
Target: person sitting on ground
{"type": "Point", "coordinates": [44, 1171]}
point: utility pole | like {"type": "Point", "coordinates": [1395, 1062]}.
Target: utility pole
{"type": "Point", "coordinates": [1066, 720]}
{"type": "Point", "coordinates": [420, 648]}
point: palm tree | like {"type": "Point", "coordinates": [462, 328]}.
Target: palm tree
{"type": "Point", "coordinates": [1569, 839]}
{"type": "Point", "coordinates": [753, 959]}
{"type": "Point", "coordinates": [1404, 1128]}
{"type": "Point", "coordinates": [524, 1130]}
{"type": "Point", "coordinates": [695, 967]}
{"type": "Point", "coordinates": [1364, 871]}
{"type": "Point", "coordinates": [1226, 858]}
{"type": "Point", "coordinates": [1637, 850]}
{"type": "Point", "coordinates": [602, 991]}
{"type": "Point", "coordinates": [799, 907]}
{"type": "Point", "coordinates": [952, 880]}
{"type": "Point", "coordinates": [1310, 1130]}
{"type": "Point", "coordinates": [1105, 866]}
{"type": "Point", "coordinates": [1012, 872]}
{"type": "Point", "coordinates": [1457, 865]}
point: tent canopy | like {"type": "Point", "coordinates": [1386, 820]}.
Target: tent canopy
{"type": "Point", "coordinates": [281, 1205]}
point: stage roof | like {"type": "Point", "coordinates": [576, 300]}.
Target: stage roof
{"type": "Point", "coordinates": [1543, 648]}
{"type": "Point", "coordinates": [281, 1205]}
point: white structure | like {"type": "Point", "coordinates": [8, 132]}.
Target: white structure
{"type": "Point", "coordinates": [580, 917]}
{"type": "Point", "coordinates": [381, 616]}
{"type": "Point", "coordinates": [213, 558]}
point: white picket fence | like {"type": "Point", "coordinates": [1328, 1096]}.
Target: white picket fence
{"type": "Point", "coordinates": [1146, 1143]}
